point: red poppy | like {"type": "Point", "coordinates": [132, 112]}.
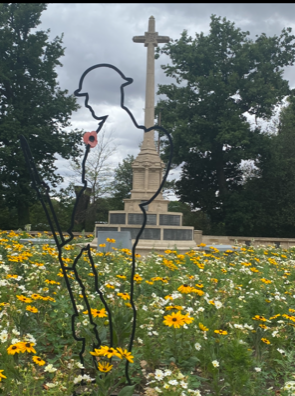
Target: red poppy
{"type": "Point", "coordinates": [90, 138]}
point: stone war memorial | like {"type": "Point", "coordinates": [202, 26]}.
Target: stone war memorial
{"type": "Point", "coordinates": [163, 229]}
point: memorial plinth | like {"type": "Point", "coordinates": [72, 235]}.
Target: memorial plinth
{"type": "Point", "coordinates": [164, 229]}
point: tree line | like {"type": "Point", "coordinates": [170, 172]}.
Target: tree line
{"type": "Point", "coordinates": [222, 79]}
{"type": "Point", "coordinates": [237, 178]}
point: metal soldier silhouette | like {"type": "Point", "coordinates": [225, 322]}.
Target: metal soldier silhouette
{"type": "Point", "coordinates": [43, 190]}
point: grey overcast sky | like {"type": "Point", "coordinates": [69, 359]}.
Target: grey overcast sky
{"type": "Point", "coordinates": [102, 33]}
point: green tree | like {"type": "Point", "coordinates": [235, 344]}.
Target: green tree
{"type": "Point", "coordinates": [220, 77]}
{"type": "Point", "coordinates": [63, 203]}
{"type": "Point", "coordinates": [32, 104]}
{"type": "Point", "coordinates": [269, 195]}
{"type": "Point", "coordinates": [197, 219]}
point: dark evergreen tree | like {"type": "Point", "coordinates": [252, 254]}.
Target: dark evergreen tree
{"type": "Point", "coordinates": [31, 103]}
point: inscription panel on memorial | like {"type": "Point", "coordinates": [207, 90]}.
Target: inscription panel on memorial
{"type": "Point", "coordinates": [138, 179]}
{"type": "Point", "coordinates": [178, 235]}
{"type": "Point", "coordinates": [117, 218]}
{"type": "Point", "coordinates": [137, 218]}
{"type": "Point", "coordinates": [106, 229]}
{"type": "Point", "coordinates": [169, 220]}
{"type": "Point", "coordinates": [148, 233]}
{"type": "Point", "coordinates": [153, 182]}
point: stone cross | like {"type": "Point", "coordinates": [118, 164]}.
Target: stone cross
{"type": "Point", "coordinates": [150, 40]}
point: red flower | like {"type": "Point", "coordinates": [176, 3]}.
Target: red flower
{"type": "Point", "coordinates": [90, 138]}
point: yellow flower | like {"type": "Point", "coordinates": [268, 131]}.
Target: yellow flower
{"type": "Point", "coordinates": [36, 296]}
{"type": "Point", "coordinates": [106, 351]}
{"type": "Point", "coordinates": [1, 375]}
{"type": "Point", "coordinates": [169, 264]}
{"type": "Point", "coordinates": [200, 285]}
{"type": "Point", "coordinates": [187, 319]}
{"type": "Point", "coordinates": [31, 309]}
{"type": "Point", "coordinates": [97, 352]}
{"type": "Point", "coordinates": [289, 317]}
{"type": "Point", "coordinates": [24, 299]}
{"type": "Point", "coordinates": [137, 278]}
{"type": "Point", "coordinates": [149, 283]}
{"type": "Point", "coordinates": [121, 276]}
{"type": "Point", "coordinates": [125, 296]}
{"type": "Point", "coordinates": [198, 291]}
{"type": "Point", "coordinates": [202, 327]}
{"type": "Point", "coordinates": [175, 319]}
{"type": "Point", "coordinates": [263, 326]}
{"type": "Point", "coordinates": [26, 347]}
{"type": "Point", "coordinates": [110, 286]}
{"type": "Point", "coordinates": [104, 367]}
{"type": "Point", "coordinates": [48, 298]}
{"type": "Point", "coordinates": [12, 349]}
{"type": "Point", "coordinates": [102, 245]}
{"type": "Point", "coordinates": [52, 282]}
{"type": "Point", "coordinates": [265, 340]}
{"type": "Point", "coordinates": [178, 307]}
{"type": "Point", "coordinates": [223, 332]}
{"type": "Point", "coordinates": [258, 317]}
{"type": "Point", "coordinates": [275, 316]}
{"type": "Point", "coordinates": [111, 240]}
{"type": "Point", "coordinates": [109, 352]}
{"type": "Point", "coordinates": [127, 251]}
{"type": "Point", "coordinates": [38, 360]}
{"type": "Point", "coordinates": [101, 313]}
{"type": "Point", "coordinates": [265, 280]}
{"type": "Point", "coordinates": [127, 355]}
{"type": "Point", "coordinates": [185, 289]}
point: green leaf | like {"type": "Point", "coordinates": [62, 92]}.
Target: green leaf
{"type": "Point", "coordinates": [127, 391]}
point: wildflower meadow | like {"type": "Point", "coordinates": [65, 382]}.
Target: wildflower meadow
{"type": "Point", "coordinates": [207, 323]}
